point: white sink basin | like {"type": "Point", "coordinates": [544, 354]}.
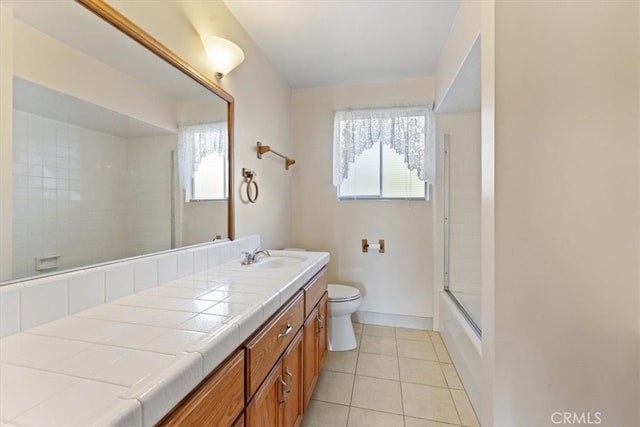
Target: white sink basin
{"type": "Point", "coordinates": [277, 262]}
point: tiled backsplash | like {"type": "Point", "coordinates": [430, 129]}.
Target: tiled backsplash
{"type": "Point", "coordinates": [33, 302]}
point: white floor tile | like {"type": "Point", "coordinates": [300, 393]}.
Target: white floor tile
{"type": "Point", "coordinates": [334, 387]}
{"type": "Point", "coordinates": [432, 403]}
{"type": "Point", "coordinates": [378, 366]}
{"type": "Point", "coordinates": [341, 361]}
{"type": "Point", "coordinates": [403, 377]}
{"type": "Point", "coordinates": [323, 414]}
{"type": "Point", "coordinates": [377, 394]}
{"type": "Point", "coordinates": [367, 418]}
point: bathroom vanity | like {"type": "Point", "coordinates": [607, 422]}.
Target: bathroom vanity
{"type": "Point", "coordinates": [227, 345]}
{"type": "Point", "coordinates": [269, 380]}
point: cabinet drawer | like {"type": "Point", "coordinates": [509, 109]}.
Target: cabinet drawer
{"type": "Point", "coordinates": [265, 348]}
{"type": "Point", "coordinates": [314, 290]}
{"type": "Point", "coordinates": [216, 401]}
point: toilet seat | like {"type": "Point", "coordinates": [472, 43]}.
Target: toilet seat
{"type": "Point", "coordinates": [341, 293]}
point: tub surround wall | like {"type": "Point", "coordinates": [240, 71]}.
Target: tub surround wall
{"type": "Point", "coordinates": [397, 285]}
{"type": "Point", "coordinates": [58, 212]}
{"type": "Point", "coordinates": [464, 207]}
{"type": "Point", "coordinates": [122, 210]}
{"type": "Point", "coordinates": [148, 203]}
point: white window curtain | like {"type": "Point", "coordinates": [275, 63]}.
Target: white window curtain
{"type": "Point", "coordinates": [409, 131]}
{"type": "Point", "coordinates": [196, 142]}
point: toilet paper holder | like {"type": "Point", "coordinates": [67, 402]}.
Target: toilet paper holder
{"type": "Point", "coordinates": [373, 246]}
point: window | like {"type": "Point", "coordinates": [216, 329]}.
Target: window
{"type": "Point", "coordinates": [384, 154]}
{"type": "Point", "coordinates": [203, 161]}
{"type": "Point", "coordinates": [210, 178]}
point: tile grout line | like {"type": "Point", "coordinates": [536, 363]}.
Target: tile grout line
{"type": "Point", "coordinates": [355, 374]}
{"type": "Point", "coordinates": [404, 422]}
{"type": "Point", "coordinates": [455, 406]}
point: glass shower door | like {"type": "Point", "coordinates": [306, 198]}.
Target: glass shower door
{"type": "Point", "coordinates": [462, 225]}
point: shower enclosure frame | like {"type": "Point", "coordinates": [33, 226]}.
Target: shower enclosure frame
{"type": "Point", "coordinates": [446, 194]}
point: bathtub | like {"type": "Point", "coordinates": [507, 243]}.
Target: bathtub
{"type": "Point", "coordinates": [464, 345]}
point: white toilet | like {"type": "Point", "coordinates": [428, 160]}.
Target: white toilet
{"type": "Point", "coordinates": [343, 300]}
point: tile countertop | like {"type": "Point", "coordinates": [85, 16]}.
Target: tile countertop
{"type": "Point", "coordinates": [128, 362]}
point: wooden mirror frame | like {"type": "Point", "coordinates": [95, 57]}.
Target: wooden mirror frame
{"type": "Point", "coordinates": [126, 26]}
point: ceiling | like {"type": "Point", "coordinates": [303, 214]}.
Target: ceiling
{"type": "Point", "coordinates": [335, 42]}
{"type": "Point", "coordinates": [79, 28]}
{"type": "Point", "coordinates": [45, 102]}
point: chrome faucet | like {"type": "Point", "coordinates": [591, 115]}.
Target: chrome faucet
{"type": "Point", "coordinates": [250, 258]}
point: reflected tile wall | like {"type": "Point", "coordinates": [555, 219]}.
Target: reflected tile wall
{"type": "Point", "coordinates": [149, 193]}
{"type": "Point", "coordinates": [68, 194]}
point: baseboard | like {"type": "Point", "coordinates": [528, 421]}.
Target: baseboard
{"type": "Point", "coordinates": [397, 320]}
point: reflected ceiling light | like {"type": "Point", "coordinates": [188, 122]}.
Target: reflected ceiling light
{"type": "Point", "coordinates": [223, 55]}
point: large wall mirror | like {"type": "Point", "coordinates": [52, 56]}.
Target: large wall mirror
{"type": "Point", "coordinates": [120, 148]}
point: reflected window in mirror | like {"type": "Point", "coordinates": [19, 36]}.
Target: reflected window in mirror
{"type": "Point", "coordinates": [203, 161]}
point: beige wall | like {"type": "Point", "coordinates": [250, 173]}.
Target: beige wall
{"type": "Point", "coordinates": [487, 210]}
{"type": "Point", "coordinates": [262, 111]}
{"type": "Point", "coordinates": [567, 231]}
{"type": "Point", "coordinates": [398, 282]}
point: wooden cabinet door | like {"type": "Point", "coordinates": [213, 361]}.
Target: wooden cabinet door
{"type": "Point", "coordinates": [323, 329]}
{"type": "Point", "coordinates": [265, 408]}
{"type": "Point", "coordinates": [269, 344]}
{"type": "Point", "coordinates": [292, 372]}
{"type": "Point", "coordinates": [310, 352]}
{"type": "Point", "coordinates": [314, 290]}
{"type": "Point", "coordinates": [218, 400]}
{"type": "Point", "coordinates": [278, 401]}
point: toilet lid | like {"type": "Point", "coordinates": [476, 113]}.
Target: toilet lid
{"type": "Point", "coordinates": [343, 293]}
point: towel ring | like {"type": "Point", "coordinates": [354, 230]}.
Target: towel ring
{"type": "Point", "coordinates": [251, 198]}
{"type": "Point", "coordinates": [247, 173]}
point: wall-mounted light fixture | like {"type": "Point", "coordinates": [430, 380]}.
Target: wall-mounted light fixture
{"type": "Point", "coordinates": [223, 55]}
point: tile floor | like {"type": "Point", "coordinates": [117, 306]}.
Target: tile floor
{"type": "Point", "coordinates": [396, 377]}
